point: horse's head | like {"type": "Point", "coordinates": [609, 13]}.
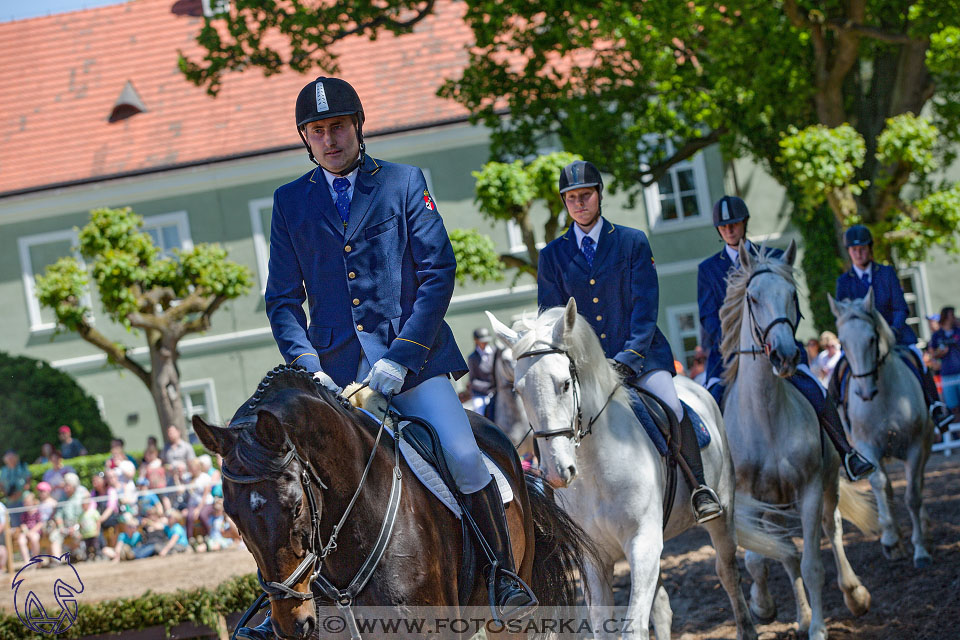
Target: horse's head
{"type": "Point", "coordinates": [271, 490]}
{"type": "Point", "coordinates": [866, 340]}
{"type": "Point", "coordinates": [560, 372]}
{"type": "Point", "coordinates": [760, 313]}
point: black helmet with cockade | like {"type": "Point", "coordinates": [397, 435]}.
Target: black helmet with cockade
{"type": "Point", "coordinates": [328, 98]}
{"type": "Point", "coordinates": [728, 210]}
{"type": "Point", "coordinates": [857, 236]}
{"type": "Point", "coordinates": [579, 174]}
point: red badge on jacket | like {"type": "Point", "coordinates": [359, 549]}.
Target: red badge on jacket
{"type": "Point", "coordinates": [428, 201]}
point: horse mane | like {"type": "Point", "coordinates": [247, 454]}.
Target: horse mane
{"type": "Point", "coordinates": [583, 347]}
{"type": "Point", "coordinates": [731, 313]}
{"type": "Point", "coordinates": [852, 308]}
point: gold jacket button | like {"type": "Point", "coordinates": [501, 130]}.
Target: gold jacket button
{"type": "Point", "coordinates": [599, 318]}
{"type": "Point", "coordinates": [352, 275]}
{"type": "Point", "coordinates": [348, 248]}
{"type": "Point", "coordinates": [602, 336]}
{"type": "Point", "coordinates": [356, 301]}
{"type": "Point", "coordinates": [592, 281]}
{"type": "Point", "coordinates": [359, 327]}
{"type": "Point", "coordinates": [596, 300]}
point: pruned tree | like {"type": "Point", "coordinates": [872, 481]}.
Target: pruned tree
{"type": "Point", "coordinates": [164, 297]}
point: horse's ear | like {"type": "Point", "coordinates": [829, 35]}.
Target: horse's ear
{"type": "Point", "coordinates": [746, 260]}
{"type": "Point", "coordinates": [216, 439]}
{"type": "Point", "coordinates": [570, 315]}
{"type": "Point", "coordinates": [834, 308]}
{"type": "Point", "coordinates": [790, 255]}
{"type": "Point", "coordinates": [503, 332]}
{"type": "Point", "coordinates": [868, 301]}
{"type": "Point", "coordinates": [269, 430]}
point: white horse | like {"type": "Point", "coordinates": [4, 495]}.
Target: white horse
{"type": "Point", "coordinates": [886, 417]}
{"type": "Point", "coordinates": [778, 451]}
{"type": "Point", "coordinates": [576, 399]}
{"type": "Point", "coordinates": [508, 413]}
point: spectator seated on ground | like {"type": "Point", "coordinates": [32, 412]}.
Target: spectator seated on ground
{"type": "Point", "coordinates": [152, 469]}
{"type": "Point", "coordinates": [14, 478]}
{"type": "Point", "coordinates": [55, 474]}
{"type": "Point", "coordinates": [31, 527]}
{"type": "Point", "coordinates": [177, 541]}
{"type": "Point", "coordinates": [129, 540]}
{"type": "Point", "coordinates": [90, 528]}
{"type": "Point", "coordinates": [221, 532]}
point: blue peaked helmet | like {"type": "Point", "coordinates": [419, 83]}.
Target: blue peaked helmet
{"type": "Point", "coordinates": [328, 98]}
{"type": "Point", "coordinates": [728, 210]}
{"type": "Point", "coordinates": [857, 236]}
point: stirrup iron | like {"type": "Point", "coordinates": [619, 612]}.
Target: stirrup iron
{"type": "Point", "coordinates": [713, 494]}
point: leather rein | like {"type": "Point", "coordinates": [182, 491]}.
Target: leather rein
{"type": "Point", "coordinates": [315, 556]}
{"type": "Point", "coordinates": [576, 431]}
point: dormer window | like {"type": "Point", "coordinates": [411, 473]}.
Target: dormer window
{"type": "Point", "coordinates": [128, 104]}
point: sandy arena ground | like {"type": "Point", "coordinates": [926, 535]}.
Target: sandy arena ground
{"type": "Point", "coordinates": [908, 603]}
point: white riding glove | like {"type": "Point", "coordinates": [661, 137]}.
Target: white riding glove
{"type": "Point", "coordinates": [386, 377]}
{"type": "Point", "coordinates": [327, 382]}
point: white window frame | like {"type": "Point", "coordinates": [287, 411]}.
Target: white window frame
{"type": "Point", "coordinates": [214, 8]}
{"type": "Point", "coordinates": [24, 243]}
{"type": "Point", "coordinates": [260, 246]}
{"type": "Point", "coordinates": [921, 296]}
{"type": "Point", "coordinates": [673, 326]}
{"type": "Point", "coordinates": [651, 196]}
{"type": "Point", "coordinates": [179, 219]}
{"type": "Point", "coordinates": [209, 389]}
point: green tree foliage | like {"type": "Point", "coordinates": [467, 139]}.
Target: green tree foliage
{"type": "Point", "coordinates": [638, 86]}
{"type": "Point", "coordinates": [509, 191]}
{"type": "Point", "coordinates": [36, 399]}
{"type": "Point", "coordinates": [164, 297]}
{"type": "Point", "coordinates": [476, 257]}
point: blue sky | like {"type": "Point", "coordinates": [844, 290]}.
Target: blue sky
{"type": "Point", "coordinates": [20, 9]}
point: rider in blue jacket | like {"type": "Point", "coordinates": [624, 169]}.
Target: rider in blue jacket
{"type": "Point", "coordinates": [362, 241]}
{"type": "Point", "coordinates": [865, 274]}
{"type": "Point", "coordinates": [730, 217]}
{"type": "Point", "coordinates": [610, 272]}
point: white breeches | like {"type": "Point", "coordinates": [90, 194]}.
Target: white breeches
{"type": "Point", "coordinates": [660, 384]}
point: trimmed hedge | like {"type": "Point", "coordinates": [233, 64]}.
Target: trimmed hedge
{"type": "Point", "coordinates": [90, 465]}
{"type": "Point", "coordinates": [199, 606]}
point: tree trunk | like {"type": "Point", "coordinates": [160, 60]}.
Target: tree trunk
{"type": "Point", "coordinates": [165, 384]}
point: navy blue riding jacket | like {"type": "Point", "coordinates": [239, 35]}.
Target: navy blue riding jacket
{"type": "Point", "coordinates": [887, 298]}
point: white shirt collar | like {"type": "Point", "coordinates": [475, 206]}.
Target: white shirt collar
{"type": "Point", "coordinates": [594, 233]}
{"type": "Point", "coordinates": [352, 177]}
{"type": "Point", "coordinates": [734, 254]}
{"type": "Point", "coordinates": [868, 271]}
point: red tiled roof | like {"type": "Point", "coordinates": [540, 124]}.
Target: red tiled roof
{"type": "Point", "coordinates": [61, 76]}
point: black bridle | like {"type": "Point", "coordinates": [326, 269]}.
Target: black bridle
{"type": "Point", "coordinates": [760, 335]}
{"type": "Point", "coordinates": [878, 360]}
{"type": "Point", "coordinates": [576, 431]}
{"type": "Point", "coordinates": [315, 556]}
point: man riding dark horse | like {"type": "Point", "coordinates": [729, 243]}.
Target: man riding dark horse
{"type": "Point", "coordinates": [730, 217]}
{"type": "Point", "coordinates": [865, 274]}
{"type": "Point", "coordinates": [610, 272]}
{"type": "Point", "coordinates": [362, 240]}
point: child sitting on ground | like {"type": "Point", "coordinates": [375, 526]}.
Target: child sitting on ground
{"type": "Point", "coordinates": [31, 526]}
{"type": "Point", "coordinates": [90, 528]}
{"type": "Point", "coordinates": [129, 540]}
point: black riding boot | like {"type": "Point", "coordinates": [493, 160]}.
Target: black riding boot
{"type": "Point", "coordinates": [939, 412]}
{"type": "Point", "coordinates": [705, 502]}
{"type": "Point", "coordinates": [856, 465]}
{"type": "Point", "coordinates": [264, 631]}
{"type": "Point", "coordinates": [511, 597]}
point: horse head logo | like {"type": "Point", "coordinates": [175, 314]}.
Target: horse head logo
{"type": "Point", "coordinates": [31, 609]}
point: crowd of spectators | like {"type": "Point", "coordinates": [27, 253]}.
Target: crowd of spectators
{"type": "Point", "coordinates": [169, 501]}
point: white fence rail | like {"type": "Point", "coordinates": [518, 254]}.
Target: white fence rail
{"type": "Point", "coordinates": [951, 441]}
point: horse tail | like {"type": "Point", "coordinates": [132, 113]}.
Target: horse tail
{"type": "Point", "coordinates": [760, 535]}
{"type": "Point", "coordinates": [561, 548]}
{"type": "Point", "coordinates": [857, 506]}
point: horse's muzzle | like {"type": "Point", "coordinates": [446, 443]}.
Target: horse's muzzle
{"type": "Point", "coordinates": [785, 364]}
{"type": "Point", "coordinates": [866, 392]}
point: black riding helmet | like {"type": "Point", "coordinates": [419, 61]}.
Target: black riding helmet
{"type": "Point", "coordinates": [728, 210]}
{"type": "Point", "coordinates": [329, 98]}
{"type": "Point", "coordinates": [857, 236]}
{"type": "Point", "coordinates": [581, 174]}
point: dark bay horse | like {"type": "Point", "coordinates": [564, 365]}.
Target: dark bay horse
{"type": "Point", "coordinates": [294, 459]}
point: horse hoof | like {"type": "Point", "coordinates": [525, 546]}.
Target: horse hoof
{"type": "Point", "coordinates": [893, 551]}
{"type": "Point", "coordinates": [922, 562]}
{"type": "Point", "coordinates": [858, 601]}
{"type": "Point", "coordinates": [764, 617]}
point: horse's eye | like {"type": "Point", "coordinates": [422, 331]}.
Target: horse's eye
{"type": "Point", "coordinates": [566, 386]}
